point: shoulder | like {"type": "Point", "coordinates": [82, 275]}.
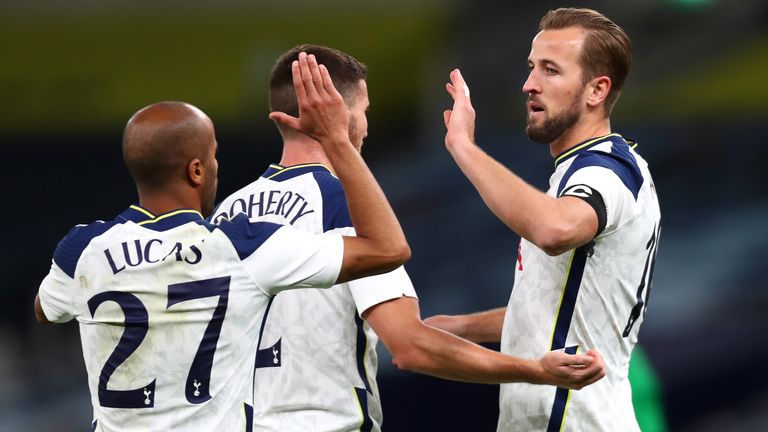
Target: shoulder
{"type": "Point", "coordinates": [245, 236]}
{"type": "Point", "coordinates": [614, 157]}
{"type": "Point", "coordinates": [71, 247]}
{"type": "Point", "coordinates": [236, 202]}
{"type": "Point", "coordinates": [335, 210]}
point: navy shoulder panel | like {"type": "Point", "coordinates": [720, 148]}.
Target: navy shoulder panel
{"type": "Point", "coordinates": [619, 160]}
{"type": "Point", "coordinates": [335, 210]}
{"type": "Point", "coordinates": [246, 236]}
{"type": "Point", "coordinates": [71, 247]}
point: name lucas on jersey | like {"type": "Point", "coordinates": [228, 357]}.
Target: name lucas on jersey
{"type": "Point", "coordinates": [289, 205]}
{"type": "Point", "coordinates": [133, 254]}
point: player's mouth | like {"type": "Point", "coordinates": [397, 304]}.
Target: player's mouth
{"type": "Point", "coordinates": [535, 108]}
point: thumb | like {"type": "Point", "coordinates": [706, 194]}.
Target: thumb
{"type": "Point", "coordinates": [447, 117]}
{"type": "Point", "coordinates": [284, 119]}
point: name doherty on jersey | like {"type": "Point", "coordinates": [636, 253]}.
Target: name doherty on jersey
{"type": "Point", "coordinates": [150, 252]}
{"type": "Point", "coordinates": [287, 204]}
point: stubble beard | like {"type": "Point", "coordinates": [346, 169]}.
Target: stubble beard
{"type": "Point", "coordinates": [554, 127]}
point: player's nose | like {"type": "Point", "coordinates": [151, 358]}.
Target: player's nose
{"type": "Point", "coordinates": [531, 84]}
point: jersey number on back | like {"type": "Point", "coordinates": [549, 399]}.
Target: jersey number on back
{"type": "Point", "coordinates": [136, 327]}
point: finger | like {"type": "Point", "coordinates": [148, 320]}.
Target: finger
{"type": "Point", "coordinates": [593, 372]}
{"type": "Point", "coordinates": [317, 78]}
{"type": "Point", "coordinates": [577, 360]}
{"type": "Point", "coordinates": [596, 355]}
{"type": "Point", "coordinates": [597, 377]}
{"type": "Point", "coordinates": [328, 82]}
{"type": "Point", "coordinates": [451, 90]}
{"type": "Point", "coordinates": [298, 84]}
{"type": "Point", "coordinates": [447, 117]}
{"type": "Point", "coordinates": [285, 120]}
{"type": "Point", "coordinates": [459, 84]}
{"type": "Point", "coordinates": [464, 83]}
{"type": "Point", "coordinates": [306, 76]}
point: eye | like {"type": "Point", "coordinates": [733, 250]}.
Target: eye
{"type": "Point", "coordinates": [550, 71]}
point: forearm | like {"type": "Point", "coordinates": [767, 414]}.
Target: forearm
{"type": "Point", "coordinates": [502, 191]}
{"type": "Point", "coordinates": [369, 209]}
{"type": "Point", "coordinates": [477, 327]}
{"type": "Point", "coordinates": [418, 347]}
{"type": "Point", "coordinates": [544, 221]}
{"type": "Point", "coordinates": [435, 352]}
{"type": "Point", "coordinates": [380, 244]}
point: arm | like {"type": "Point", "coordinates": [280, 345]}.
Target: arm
{"type": "Point", "coordinates": [555, 225]}
{"type": "Point", "coordinates": [420, 348]}
{"type": "Point", "coordinates": [39, 314]}
{"type": "Point", "coordinates": [478, 327]}
{"type": "Point", "coordinates": [380, 245]}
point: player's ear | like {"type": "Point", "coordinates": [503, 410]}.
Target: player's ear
{"type": "Point", "coordinates": [195, 172]}
{"type": "Point", "coordinates": [598, 90]}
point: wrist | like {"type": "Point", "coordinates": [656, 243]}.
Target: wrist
{"type": "Point", "coordinates": [459, 143]}
{"type": "Point", "coordinates": [537, 372]}
{"type": "Point", "coordinates": [334, 143]}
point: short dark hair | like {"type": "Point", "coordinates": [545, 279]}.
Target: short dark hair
{"type": "Point", "coordinates": [606, 52]}
{"type": "Point", "coordinates": [346, 72]}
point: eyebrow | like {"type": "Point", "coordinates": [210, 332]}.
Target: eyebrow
{"type": "Point", "coordinates": [545, 62]}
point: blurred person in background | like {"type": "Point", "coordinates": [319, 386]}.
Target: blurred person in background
{"type": "Point", "coordinates": [317, 356]}
{"type": "Point", "coordinates": [588, 245]}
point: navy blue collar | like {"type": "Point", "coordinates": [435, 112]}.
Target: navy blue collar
{"type": "Point", "coordinates": [278, 172]}
{"type": "Point", "coordinates": [588, 144]}
{"type": "Point", "coordinates": [165, 221]}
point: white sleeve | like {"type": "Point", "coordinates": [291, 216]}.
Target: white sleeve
{"type": "Point", "coordinates": [56, 295]}
{"type": "Point", "coordinates": [290, 258]}
{"type": "Point", "coordinates": [373, 290]}
{"type": "Point", "coordinates": [592, 182]}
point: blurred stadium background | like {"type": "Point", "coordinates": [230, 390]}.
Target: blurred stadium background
{"type": "Point", "coordinates": [697, 101]}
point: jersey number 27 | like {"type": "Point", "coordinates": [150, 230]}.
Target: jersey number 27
{"type": "Point", "coordinates": [136, 327]}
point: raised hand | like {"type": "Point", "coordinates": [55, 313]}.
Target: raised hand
{"type": "Point", "coordinates": [573, 371]}
{"type": "Point", "coordinates": [323, 114]}
{"type": "Point", "coordinates": [460, 121]}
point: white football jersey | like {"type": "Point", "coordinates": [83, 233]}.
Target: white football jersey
{"type": "Point", "coordinates": [317, 359]}
{"type": "Point", "coordinates": [590, 297]}
{"type": "Point", "coordinates": [169, 308]}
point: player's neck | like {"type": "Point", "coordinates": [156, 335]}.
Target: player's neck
{"type": "Point", "coordinates": [580, 132]}
{"type": "Point", "coordinates": [168, 200]}
{"type": "Point", "coordinates": [303, 150]}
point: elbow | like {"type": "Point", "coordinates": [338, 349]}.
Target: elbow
{"type": "Point", "coordinates": [403, 253]}
{"type": "Point", "coordinates": [407, 359]}
{"type": "Point", "coordinates": [41, 318]}
{"type": "Point", "coordinates": [398, 255]}
{"type": "Point", "coordinates": [554, 240]}
{"type": "Point", "coordinates": [39, 314]}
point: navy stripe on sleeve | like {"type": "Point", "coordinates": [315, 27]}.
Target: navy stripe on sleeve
{"type": "Point", "coordinates": [335, 210]}
{"type": "Point", "coordinates": [619, 160]}
{"type": "Point", "coordinates": [71, 247]}
{"type": "Point", "coordinates": [245, 236]}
